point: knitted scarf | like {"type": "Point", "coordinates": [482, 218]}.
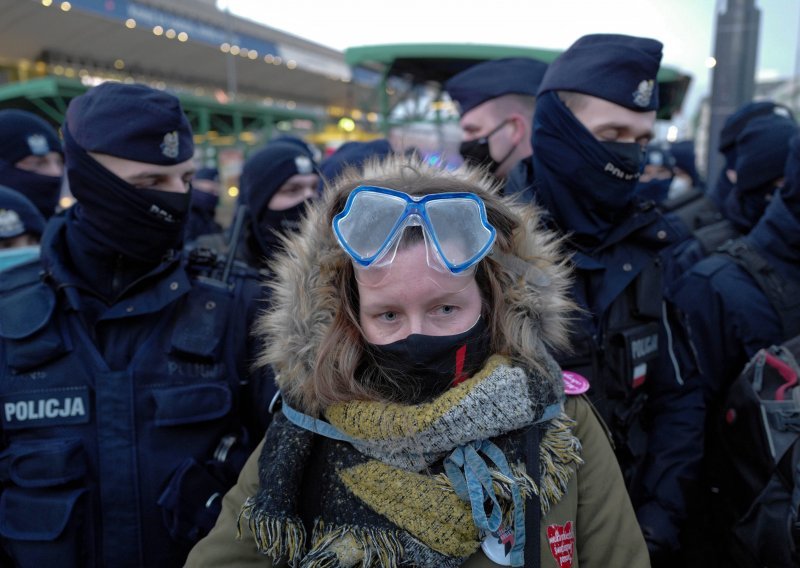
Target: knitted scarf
{"type": "Point", "coordinates": [387, 497]}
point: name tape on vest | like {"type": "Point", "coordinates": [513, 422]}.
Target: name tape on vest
{"type": "Point", "coordinates": [45, 408]}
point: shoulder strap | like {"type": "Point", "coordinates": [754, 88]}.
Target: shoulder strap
{"type": "Point", "coordinates": [783, 294]}
{"type": "Point", "coordinates": [533, 509]}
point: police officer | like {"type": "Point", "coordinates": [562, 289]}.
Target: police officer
{"type": "Point", "coordinates": [733, 127]}
{"type": "Point", "coordinates": [123, 366]}
{"type": "Point", "coordinates": [497, 99]}
{"type": "Point", "coordinates": [737, 301]}
{"type": "Point", "coordinates": [729, 310]}
{"type": "Point", "coordinates": [205, 198]}
{"type": "Point", "coordinates": [761, 150]}
{"type": "Point", "coordinates": [31, 159]}
{"type": "Point", "coordinates": [275, 183]}
{"type": "Point", "coordinates": [588, 142]}
{"type": "Point", "coordinates": [21, 227]}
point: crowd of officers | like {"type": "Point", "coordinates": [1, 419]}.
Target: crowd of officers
{"type": "Point", "coordinates": [128, 394]}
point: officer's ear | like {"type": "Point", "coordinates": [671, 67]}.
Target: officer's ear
{"type": "Point", "coordinates": [520, 128]}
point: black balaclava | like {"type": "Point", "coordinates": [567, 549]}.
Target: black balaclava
{"type": "Point", "coordinates": [762, 148]}
{"type": "Point", "coordinates": [115, 227]}
{"type": "Point", "coordinates": [262, 176]}
{"type": "Point", "coordinates": [143, 224]}
{"type": "Point", "coordinates": [420, 367]}
{"type": "Point", "coordinates": [24, 134]}
{"type": "Point", "coordinates": [586, 185]}
{"type": "Point", "coordinates": [731, 130]}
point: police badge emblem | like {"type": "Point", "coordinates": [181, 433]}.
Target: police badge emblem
{"type": "Point", "coordinates": [170, 147]}
{"type": "Point", "coordinates": [10, 224]}
{"type": "Point", "coordinates": [38, 145]}
{"type": "Point", "coordinates": [643, 93]}
{"type": "Point", "coordinates": [303, 165]}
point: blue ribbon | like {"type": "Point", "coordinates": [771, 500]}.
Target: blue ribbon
{"type": "Point", "coordinates": [471, 478]}
{"type": "Point", "coordinates": [314, 424]}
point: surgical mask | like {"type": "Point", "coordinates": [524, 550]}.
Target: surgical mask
{"type": "Point", "coordinates": [19, 255]}
{"type": "Point", "coordinates": [421, 367]}
{"type": "Point", "coordinates": [477, 153]}
{"type": "Point", "coordinates": [679, 186]}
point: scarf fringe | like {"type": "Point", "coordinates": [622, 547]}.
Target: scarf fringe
{"type": "Point", "coordinates": [276, 538]}
{"type": "Point", "coordinates": [346, 546]}
{"type": "Point", "coordinates": [559, 458]}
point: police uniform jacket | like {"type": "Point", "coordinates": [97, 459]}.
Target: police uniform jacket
{"type": "Point", "coordinates": [730, 315]}
{"type": "Point", "coordinates": [117, 419]}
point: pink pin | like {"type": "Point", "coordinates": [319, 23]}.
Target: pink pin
{"type": "Point", "coordinates": [574, 384]}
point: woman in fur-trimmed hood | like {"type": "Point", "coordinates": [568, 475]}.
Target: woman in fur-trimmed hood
{"type": "Point", "coordinates": [419, 394]}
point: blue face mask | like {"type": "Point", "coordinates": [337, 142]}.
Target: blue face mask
{"type": "Point", "coordinates": [15, 256]}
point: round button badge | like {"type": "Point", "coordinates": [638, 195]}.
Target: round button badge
{"type": "Point", "coordinates": [574, 383]}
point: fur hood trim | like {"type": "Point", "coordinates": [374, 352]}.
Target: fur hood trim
{"type": "Point", "coordinates": [304, 295]}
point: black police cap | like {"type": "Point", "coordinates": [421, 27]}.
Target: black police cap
{"type": "Point", "coordinates": [495, 78]}
{"type": "Point", "coordinates": [618, 68]}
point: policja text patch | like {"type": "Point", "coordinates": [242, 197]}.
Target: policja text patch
{"type": "Point", "coordinates": [52, 407]}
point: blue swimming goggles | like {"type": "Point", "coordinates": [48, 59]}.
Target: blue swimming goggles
{"type": "Point", "coordinates": [456, 231]}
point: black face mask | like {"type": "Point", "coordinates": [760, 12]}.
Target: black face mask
{"type": "Point", "coordinates": [42, 190]}
{"type": "Point", "coordinates": [629, 156]}
{"type": "Point", "coordinates": [136, 222]}
{"type": "Point", "coordinates": [476, 152]}
{"type": "Point", "coordinates": [285, 221]}
{"type": "Point", "coordinates": [420, 367]}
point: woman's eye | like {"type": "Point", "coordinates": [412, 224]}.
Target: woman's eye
{"type": "Point", "coordinates": [447, 310]}
{"type": "Point", "coordinates": [390, 316]}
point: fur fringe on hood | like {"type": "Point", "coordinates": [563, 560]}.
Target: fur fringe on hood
{"type": "Point", "coordinates": [305, 284]}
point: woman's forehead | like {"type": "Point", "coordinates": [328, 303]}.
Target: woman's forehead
{"type": "Point", "coordinates": [410, 280]}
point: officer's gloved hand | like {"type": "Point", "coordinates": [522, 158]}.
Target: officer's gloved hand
{"type": "Point", "coordinates": [660, 533]}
